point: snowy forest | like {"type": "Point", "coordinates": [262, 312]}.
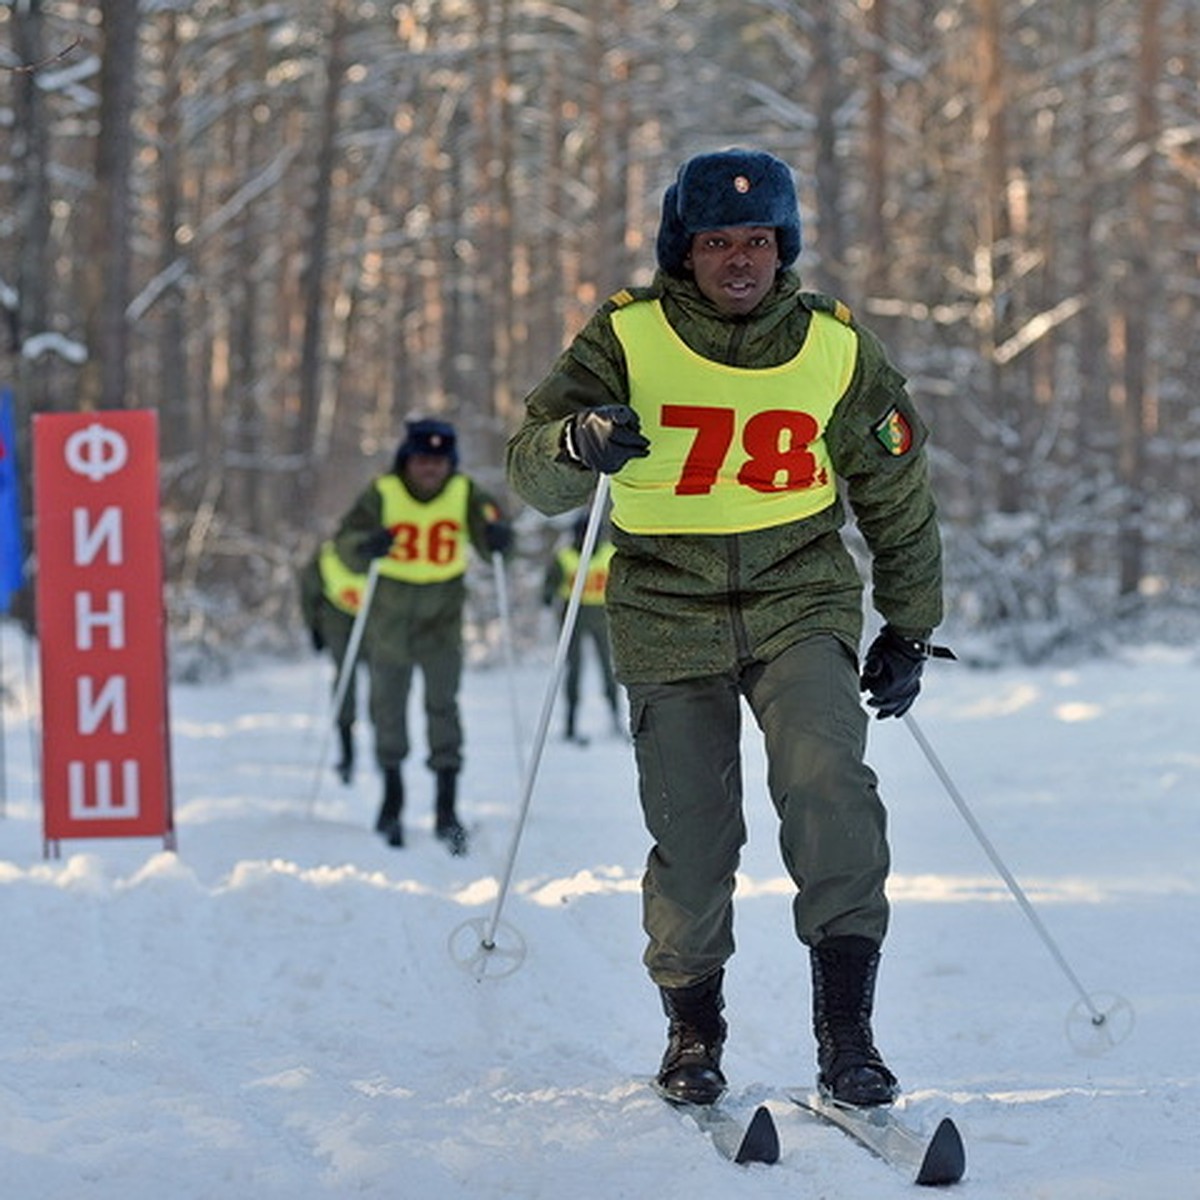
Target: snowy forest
{"type": "Point", "coordinates": [287, 226]}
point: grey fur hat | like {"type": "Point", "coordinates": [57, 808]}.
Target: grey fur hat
{"type": "Point", "coordinates": [724, 189]}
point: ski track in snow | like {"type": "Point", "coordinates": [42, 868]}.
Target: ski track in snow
{"type": "Point", "coordinates": [274, 1011]}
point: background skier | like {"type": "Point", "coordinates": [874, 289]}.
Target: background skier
{"type": "Point", "coordinates": [418, 520]}
{"type": "Point", "coordinates": [591, 622]}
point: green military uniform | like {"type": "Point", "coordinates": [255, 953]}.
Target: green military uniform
{"type": "Point", "coordinates": [417, 607]}
{"type": "Point", "coordinates": [591, 623]}
{"type": "Point", "coordinates": [720, 606]}
{"type": "Point", "coordinates": [330, 594]}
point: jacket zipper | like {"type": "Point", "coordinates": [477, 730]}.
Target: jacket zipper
{"type": "Point", "coordinates": [737, 621]}
{"type": "Point", "coordinates": [733, 544]}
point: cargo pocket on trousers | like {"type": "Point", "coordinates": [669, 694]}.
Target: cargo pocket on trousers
{"type": "Point", "coordinates": [652, 776]}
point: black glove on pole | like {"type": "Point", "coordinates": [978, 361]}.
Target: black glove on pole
{"type": "Point", "coordinates": [376, 544]}
{"type": "Point", "coordinates": [605, 438]}
{"type": "Point", "coordinates": [498, 537]}
{"type": "Point", "coordinates": [892, 671]}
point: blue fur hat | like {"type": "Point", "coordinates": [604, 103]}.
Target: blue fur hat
{"type": "Point", "coordinates": [724, 189]}
{"type": "Point", "coordinates": [427, 435]}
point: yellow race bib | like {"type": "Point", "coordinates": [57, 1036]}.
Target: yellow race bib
{"type": "Point", "coordinates": [731, 449]}
{"type": "Point", "coordinates": [429, 538]}
{"type": "Point", "coordinates": [596, 583]}
{"type": "Point", "coordinates": [343, 587]}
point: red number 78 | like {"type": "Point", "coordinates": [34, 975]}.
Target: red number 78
{"type": "Point", "coordinates": [776, 440]}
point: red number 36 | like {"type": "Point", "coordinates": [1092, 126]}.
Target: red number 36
{"type": "Point", "coordinates": [437, 544]}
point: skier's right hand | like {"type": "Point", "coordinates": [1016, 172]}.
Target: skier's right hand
{"type": "Point", "coordinates": [377, 544]}
{"type": "Point", "coordinates": [605, 438]}
{"type": "Point", "coordinates": [498, 536]}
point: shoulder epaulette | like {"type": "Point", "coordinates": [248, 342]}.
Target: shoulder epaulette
{"type": "Point", "coordinates": [819, 302]}
{"type": "Point", "coordinates": [628, 296]}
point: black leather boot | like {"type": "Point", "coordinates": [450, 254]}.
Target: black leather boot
{"type": "Point", "coordinates": [447, 826]}
{"type": "Point", "coordinates": [691, 1067]}
{"type": "Point", "coordinates": [388, 821]}
{"type": "Point", "coordinates": [345, 766]}
{"type": "Point", "coordinates": [850, 1069]}
{"type": "Point", "coordinates": [569, 732]}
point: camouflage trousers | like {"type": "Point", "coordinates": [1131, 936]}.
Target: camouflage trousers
{"type": "Point", "coordinates": [832, 824]}
{"type": "Point", "coordinates": [591, 624]}
{"type": "Point", "coordinates": [336, 628]}
{"type": "Point", "coordinates": [440, 661]}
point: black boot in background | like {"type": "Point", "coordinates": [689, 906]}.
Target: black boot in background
{"type": "Point", "coordinates": [388, 821]}
{"type": "Point", "coordinates": [850, 1069]}
{"type": "Point", "coordinates": [569, 731]}
{"type": "Point", "coordinates": [691, 1067]}
{"type": "Point", "coordinates": [447, 826]}
{"type": "Point", "coordinates": [345, 767]}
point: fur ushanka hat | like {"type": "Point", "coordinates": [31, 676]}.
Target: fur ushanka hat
{"type": "Point", "coordinates": [724, 189]}
{"type": "Point", "coordinates": [428, 436]}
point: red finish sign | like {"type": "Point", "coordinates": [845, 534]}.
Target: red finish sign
{"type": "Point", "coordinates": [101, 629]}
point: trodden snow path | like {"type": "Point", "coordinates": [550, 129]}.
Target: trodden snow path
{"type": "Point", "coordinates": [274, 1010]}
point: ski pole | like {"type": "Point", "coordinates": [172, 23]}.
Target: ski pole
{"type": "Point", "coordinates": [1098, 1018]}
{"type": "Point", "coordinates": [510, 663]}
{"type": "Point", "coordinates": [346, 669]}
{"type": "Point", "coordinates": [487, 943]}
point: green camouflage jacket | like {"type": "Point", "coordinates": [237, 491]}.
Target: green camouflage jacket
{"type": "Point", "coordinates": [685, 605]}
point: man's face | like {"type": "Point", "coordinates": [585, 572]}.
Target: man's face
{"type": "Point", "coordinates": [426, 473]}
{"type": "Point", "coordinates": [735, 268]}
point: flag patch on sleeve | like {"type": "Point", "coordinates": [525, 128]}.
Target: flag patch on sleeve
{"type": "Point", "coordinates": [894, 432]}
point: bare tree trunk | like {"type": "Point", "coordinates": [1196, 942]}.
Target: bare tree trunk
{"type": "Point", "coordinates": [994, 253]}
{"type": "Point", "coordinates": [826, 87]}
{"type": "Point", "coordinates": [1094, 427]}
{"type": "Point", "coordinates": [313, 285]}
{"type": "Point", "coordinates": [31, 164]}
{"type": "Point", "coordinates": [248, 448]}
{"type": "Point", "coordinates": [547, 332]}
{"type": "Point", "coordinates": [875, 222]}
{"type": "Point", "coordinates": [1091, 326]}
{"type": "Point", "coordinates": [1136, 298]}
{"type": "Point", "coordinates": [178, 425]}
{"type": "Point", "coordinates": [1188, 162]}
{"type": "Point", "coordinates": [503, 169]}
{"type": "Point", "coordinates": [104, 381]}
{"type": "Point", "coordinates": [624, 133]}
{"type": "Point", "coordinates": [484, 314]}
{"type": "Point", "coordinates": [880, 250]}
{"type": "Point", "coordinates": [599, 263]}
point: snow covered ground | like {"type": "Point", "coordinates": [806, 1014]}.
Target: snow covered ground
{"type": "Point", "coordinates": [276, 1011]}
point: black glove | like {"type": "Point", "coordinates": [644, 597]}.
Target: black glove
{"type": "Point", "coordinates": [604, 438]}
{"type": "Point", "coordinates": [376, 544]}
{"type": "Point", "coordinates": [318, 640]}
{"type": "Point", "coordinates": [498, 536]}
{"type": "Point", "coordinates": [892, 671]}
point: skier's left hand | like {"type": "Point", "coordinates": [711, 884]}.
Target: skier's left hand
{"type": "Point", "coordinates": [892, 672]}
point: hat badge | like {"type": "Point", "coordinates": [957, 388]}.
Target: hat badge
{"type": "Point", "coordinates": [741, 184]}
